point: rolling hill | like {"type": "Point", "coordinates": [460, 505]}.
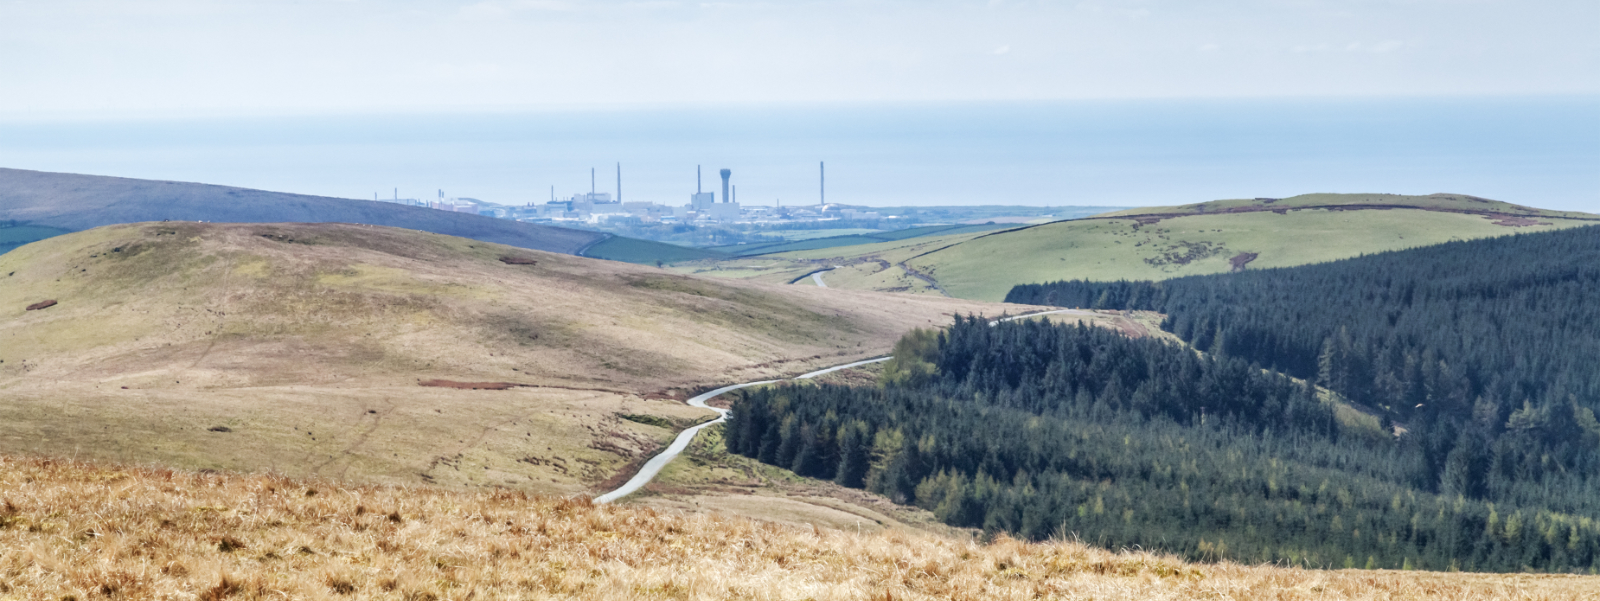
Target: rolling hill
{"type": "Point", "coordinates": [1220, 236]}
{"type": "Point", "coordinates": [304, 349]}
{"type": "Point", "coordinates": [74, 202]}
{"type": "Point", "coordinates": [1154, 243]}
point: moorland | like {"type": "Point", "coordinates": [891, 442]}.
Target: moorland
{"type": "Point", "coordinates": [302, 349]}
{"type": "Point", "coordinates": [252, 410]}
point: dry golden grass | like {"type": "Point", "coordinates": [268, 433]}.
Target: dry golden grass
{"type": "Point", "coordinates": [307, 341]}
{"type": "Point", "coordinates": [84, 531]}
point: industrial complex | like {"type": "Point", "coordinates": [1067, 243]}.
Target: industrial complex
{"type": "Point", "coordinates": [595, 207]}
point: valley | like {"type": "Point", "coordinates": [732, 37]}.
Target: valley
{"type": "Point", "coordinates": [410, 365]}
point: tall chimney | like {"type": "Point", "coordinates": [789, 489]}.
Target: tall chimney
{"type": "Point", "coordinates": [591, 183]}
{"type": "Point", "coordinates": [619, 182]}
{"type": "Point", "coordinates": [697, 188]}
{"type": "Point", "coordinates": [822, 182]}
{"type": "Point", "coordinates": [725, 175]}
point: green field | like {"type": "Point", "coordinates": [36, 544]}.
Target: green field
{"type": "Point", "coordinates": [646, 252]}
{"type": "Point", "coordinates": [796, 235]}
{"type": "Point", "coordinates": [874, 266]}
{"type": "Point", "coordinates": [14, 236]}
{"type": "Point", "coordinates": [1112, 249]}
{"type": "Point", "coordinates": [1144, 243]}
{"type": "Point", "coordinates": [856, 238]}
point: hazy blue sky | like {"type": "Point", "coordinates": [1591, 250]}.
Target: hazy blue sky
{"type": "Point", "coordinates": [99, 57]}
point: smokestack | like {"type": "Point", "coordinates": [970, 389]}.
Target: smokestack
{"type": "Point", "coordinates": [735, 193]}
{"type": "Point", "coordinates": [619, 182]}
{"type": "Point", "coordinates": [591, 183]}
{"type": "Point", "coordinates": [697, 188]}
{"type": "Point", "coordinates": [822, 182]}
{"type": "Point", "coordinates": [726, 173]}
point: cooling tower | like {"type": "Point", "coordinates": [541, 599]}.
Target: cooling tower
{"type": "Point", "coordinates": [725, 174]}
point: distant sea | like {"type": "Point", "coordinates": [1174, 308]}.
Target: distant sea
{"type": "Point", "coordinates": [1536, 151]}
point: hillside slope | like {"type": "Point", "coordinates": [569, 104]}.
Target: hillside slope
{"type": "Point", "coordinates": [1165, 242]}
{"type": "Point", "coordinates": [87, 531]}
{"type": "Point", "coordinates": [300, 348]}
{"type": "Point", "coordinates": [79, 202]}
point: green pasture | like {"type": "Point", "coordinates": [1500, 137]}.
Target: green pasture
{"type": "Point", "coordinates": [986, 267]}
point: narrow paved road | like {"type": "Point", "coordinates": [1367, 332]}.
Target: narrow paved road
{"type": "Point", "coordinates": [1082, 312]}
{"type": "Point", "coordinates": [655, 464]}
{"type": "Point", "coordinates": [653, 467]}
{"type": "Point", "coordinates": [817, 277]}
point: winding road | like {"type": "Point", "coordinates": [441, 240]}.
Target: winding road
{"type": "Point", "coordinates": [653, 467]}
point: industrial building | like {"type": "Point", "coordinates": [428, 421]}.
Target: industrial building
{"type": "Point", "coordinates": [595, 206]}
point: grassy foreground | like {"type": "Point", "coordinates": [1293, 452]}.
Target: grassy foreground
{"type": "Point", "coordinates": [85, 531]}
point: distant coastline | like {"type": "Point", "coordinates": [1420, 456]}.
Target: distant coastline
{"type": "Point", "coordinates": [1541, 151]}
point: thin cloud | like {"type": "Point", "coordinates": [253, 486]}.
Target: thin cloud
{"type": "Point", "coordinates": [1351, 48]}
{"type": "Point", "coordinates": [502, 8]}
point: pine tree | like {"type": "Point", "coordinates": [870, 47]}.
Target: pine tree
{"type": "Point", "coordinates": [854, 455]}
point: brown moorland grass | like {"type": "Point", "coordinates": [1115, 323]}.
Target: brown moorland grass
{"type": "Point", "coordinates": [87, 531]}
{"type": "Point", "coordinates": [299, 349]}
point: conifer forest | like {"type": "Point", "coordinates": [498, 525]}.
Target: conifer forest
{"type": "Point", "coordinates": [1480, 361]}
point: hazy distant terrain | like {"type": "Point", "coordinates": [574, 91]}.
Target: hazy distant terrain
{"type": "Point", "coordinates": [79, 202]}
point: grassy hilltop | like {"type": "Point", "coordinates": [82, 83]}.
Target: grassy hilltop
{"type": "Point", "coordinates": [1165, 242]}
{"type": "Point", "coordinates": [1154, 243]}
{"type": "Point", "coordinates": [299, 348]}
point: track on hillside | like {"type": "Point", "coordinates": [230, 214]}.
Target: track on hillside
{"type": "Point", "coordinates": [653, 467]}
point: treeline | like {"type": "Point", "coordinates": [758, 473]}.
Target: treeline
{"type": "Point", "coordinates": [1487, 351]}
{"type": "Point", "coordinates": [1042, 430]}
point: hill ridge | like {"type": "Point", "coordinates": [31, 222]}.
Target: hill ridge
{"type": "Point", "coordinates": [79, 202]}
{"type": "Point", "coordinates": [1222, 235]}
{"type": "Point", "coordinates": [165, 330]}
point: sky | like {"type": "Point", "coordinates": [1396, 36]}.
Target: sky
{"type": "Point", "coordinates": [1097, 102]}
{"type": "Point", "coordinates": [78, 59]}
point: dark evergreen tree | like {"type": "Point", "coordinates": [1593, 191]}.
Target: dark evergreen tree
{"type": "Point", "coordinates": [1042, 429]}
